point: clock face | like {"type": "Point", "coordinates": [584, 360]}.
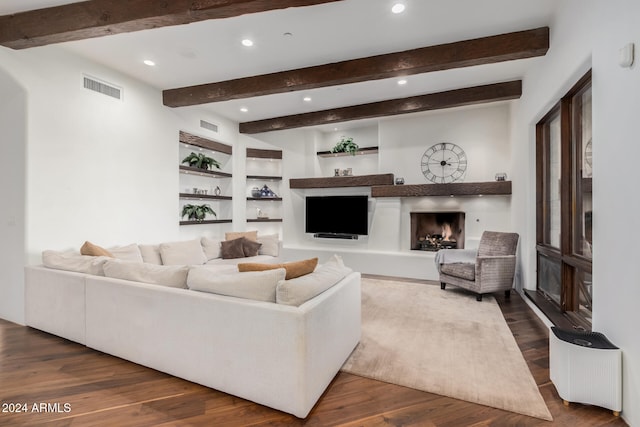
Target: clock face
{"type": "Point", "coordinates": [443, 163]}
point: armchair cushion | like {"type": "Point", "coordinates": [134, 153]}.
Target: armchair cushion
{"type": "Point", "coordinates": [463, 270]}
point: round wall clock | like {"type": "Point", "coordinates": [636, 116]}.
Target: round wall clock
{"type": "Point", "coordinates": [444, 163]}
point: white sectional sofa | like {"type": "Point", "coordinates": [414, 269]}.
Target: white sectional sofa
{"type": "Point", "coordinates": [282, 353]}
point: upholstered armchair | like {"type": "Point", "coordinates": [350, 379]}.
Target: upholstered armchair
{"type": "Point", "coordinates": [489, 270]}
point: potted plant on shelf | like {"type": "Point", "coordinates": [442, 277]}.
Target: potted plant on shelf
{"type": "Point", "coordinates": [200, 161]}
{"type": "Point", "coordinates": [197, 212]}
{"type": "Point", "coordinates": [346, 145]}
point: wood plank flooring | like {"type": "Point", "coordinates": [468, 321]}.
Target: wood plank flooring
{"type": "Point", "coordinates": [101, 390]}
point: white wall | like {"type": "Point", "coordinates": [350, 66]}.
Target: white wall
{"type": "Point", "coordinates": [96, 168]}
{"type": "Point", "coordinates": [13, 126]}
{"type": "Point", "coordinates": [593, 41]}
{"type": "Point", "coordinates": [482, 131]}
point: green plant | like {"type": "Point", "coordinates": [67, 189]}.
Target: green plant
{"type": "Point", "coordinates": [201, 161]}
{"type": "Point", "coordinates": [197, 212]}
{"type": "Point", "coordinates": [346, 145]}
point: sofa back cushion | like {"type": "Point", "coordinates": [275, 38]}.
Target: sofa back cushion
{"type": "Point", "coordinates": [166, 275]}
{"type": "Point", "coordinates": [211, 247]}
{"type": "Point", "coordinates": [270, 244]}
{"type": "Point", "coordinates": [294, 269]}
{"type": "Point", "coordinates": [73, 261]}
{"type": "Point", "coordinates": [301, 289]}
{"type": "Point", "coordinates": [255, 285]}
{"type": "Point", "coordinates": [151, 254]}
{"type": "Point", "coordinates": [127, 253]}
{"type": "Point", "coordinates": [188, 252]}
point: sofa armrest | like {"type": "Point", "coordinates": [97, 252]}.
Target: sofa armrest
{"type": "Point", "coordinates": [495, 272]}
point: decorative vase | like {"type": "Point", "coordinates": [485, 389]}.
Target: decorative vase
{"type": "Point", "coordinates": [255, 192]}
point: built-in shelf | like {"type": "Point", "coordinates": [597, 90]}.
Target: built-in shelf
{"type": "Point", "coordinates": [259, 153]}
{"type": "Point", "coordinates": [192, 196]}
{"type": "Point", "coordinates": [264, 177]}
{"type": "Point", "coordinates": [203, 172]}
{"type": "Point", "coordinates": [206, 221]}
{"type": "Point", "coordinates": [265, 220]}
{"type": "Point", "coordinates": [343, 181]}
{"type": "Point", "coordinates": [198, 141]}
{"type": "Point", "coordinates": [265, 199]}
{"type": "Point", "coordinates": [363, 150]}
{"type": "Point", "coordinates": [451, 189]}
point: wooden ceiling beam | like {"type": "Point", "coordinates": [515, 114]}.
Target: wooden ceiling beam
{"type": "Point", "coordinates": [97, 18]}
{"type": "Point", "coordinates": [452, 98]}
{"type": "Point", "coordinates": [485, 50]}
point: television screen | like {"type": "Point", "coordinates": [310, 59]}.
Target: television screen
{"type": "Point", "coordinates": [337, 215]}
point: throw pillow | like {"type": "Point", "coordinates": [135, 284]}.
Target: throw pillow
{"type": "Point", "coordinates": [150, 254]}
{"type": "Point", "coordinates": [90, 249]}
{"type": "Point", "coordinates": [73, 261]}
{"type": "Point", "coordinates": [299, 290]}
{"type": "Point", "coordinates": [249, 247]}
{"type": "Point", "coordinates": [211, 248]}
{"type": "Point", "coordinates": [188, 252]}
{"type": "Point", "coordinates": [251, 235]}
{"type": "Point", "coordinates": [255, 285]}
{"type": "Point", "coordinates": [232, 249]}
{"type": "Point", "coordinates": [127, 253]}
{"type": "Point", "coordinates": [270, 245]}
{"type": "Point", "coordinates": [293, 269]}
{"type": "Point", "coordinates": [174, 276]}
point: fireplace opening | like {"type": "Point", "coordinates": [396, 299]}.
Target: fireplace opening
{"type": "Point", "coordinates": [432, 231]}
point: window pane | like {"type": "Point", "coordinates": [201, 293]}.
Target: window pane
{"type": "Point", "coordinates": [585, 288]}
{"type": "Point", "coordinates": [553, 185]}
{"type": "Point", "coordinates": [583, 143]}
{"type": "Point", "coordinates": [549, 277]}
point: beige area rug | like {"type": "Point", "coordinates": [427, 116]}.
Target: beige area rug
{"type": "Point", "coordinates": [443, 342]}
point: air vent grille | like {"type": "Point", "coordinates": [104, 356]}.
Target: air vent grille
{"type": "Point", "coordinates": [102, 87]}
{"type": "Point", "coordinates": [210, 126]}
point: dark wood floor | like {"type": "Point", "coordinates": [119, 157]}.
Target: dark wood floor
{"type": "Point", "coordinates": [38, 368]}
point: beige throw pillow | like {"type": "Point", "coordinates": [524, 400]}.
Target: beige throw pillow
{"type": "Point", "coordinates": [165, 275]}
{"type": "Point", "coordinates": [127, 253]}
{"type": "Point", "coordinates": [211, 247]}
{"type": "Point", "coordinates": [251, 235]}
{"type": "Point", "coordinates": [255, 285]}
{"type": "Point", "coordinates": [299, 290]}
{"type": "Point", "coordinates": [294, 269]}
{"type": "Point", "coordinates": [90, 249]}
{"type": "Point", "coordinates": [73, 261]}
{"type": "Point", "coordinates": [151, 254]}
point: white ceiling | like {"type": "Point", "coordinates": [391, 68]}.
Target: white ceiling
{"type": "Point", "coordinates": [211, 51]}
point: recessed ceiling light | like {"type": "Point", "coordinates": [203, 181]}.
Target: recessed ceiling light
{"type": "Point", "coordinates": [244, 109]}
{"type": "Point", "coordinates": [402, 82]}
{"type": "Point", "coordinates": [149, 62]}
{"type": "Point", "coordinates": [398, 8]}
{"type": "Point", "coordinates": [247, 42]}
{"type": "Point", "coordinates": [307, 99]}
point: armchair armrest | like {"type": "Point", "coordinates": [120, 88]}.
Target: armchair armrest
{"type": "Point", "coordinates": [495, 272]}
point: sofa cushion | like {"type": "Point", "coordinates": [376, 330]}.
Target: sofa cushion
{"type": "Point", "coordinates": [211, 248]}
{"type": "Point", "coordinates": [270, 245]}
{"type": "Point", "coordinates": [150, 254]}
{"type": "Point", "coordinates": [235, 261]}
{"type": "Point", "coordinates": [127, 253]}
{"type": "Point", "coordinates": [462, 270]}
{"type": "Point", "coordinates": [294, 269]}
{"type": "Point", "coordinates": [91, 249]}
{"type": "Point", "coordinates": [174, 276]}
{"type": "Point", "coordinates": [255, 285]}
{"type": "Point", "coordinates": [73, 261]}
{"type": "Point", "coordinates": [251, 235]}
{"type": "Point", "coordinates": [188, 252]}
{"type": "Point", "coordinates": [301, 289]}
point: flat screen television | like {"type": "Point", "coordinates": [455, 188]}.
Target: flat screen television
{"type": "Point", "coordinates": [337, 216]}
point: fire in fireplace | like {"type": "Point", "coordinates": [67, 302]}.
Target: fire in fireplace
{"type": "Point", "coordinates": [432, 231]}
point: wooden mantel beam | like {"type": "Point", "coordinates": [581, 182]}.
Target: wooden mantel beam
{"type": "Point", "coordinates": [97, 18]}
{"type": "Point", "coordinates": [452, 98]}
{"type": "Point", "coordinates": [485, 50]}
